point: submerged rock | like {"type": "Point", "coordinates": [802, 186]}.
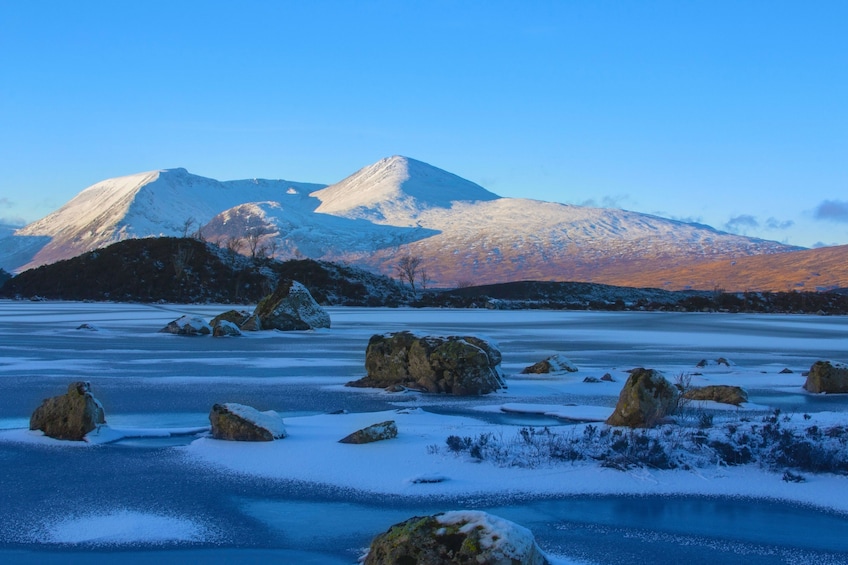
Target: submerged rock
{"type": "Point", "coordinates": [238, 422]}
{"type": "Point", "coordinates": [453, 538]}
{"type": "Point", "coordinates": [460, 365]}
{"type": "Point", "coordinates": [376, 432]}
{"type": "Point", "coordinates": [825, 376]}
{"type": "Point", "coordinates": [69, 416]}
{"type": "Point", "coordinates": [289, 307]}
{"type": "Point", "coordinates": [725, 394]}
{"type": "Point", "coordinates": [553, 364]}
{"type": "Point", "coordinates": [646, 398]}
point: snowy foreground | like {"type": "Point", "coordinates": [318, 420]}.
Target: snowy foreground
{"type": "Point", "coordinates": [152, 485]}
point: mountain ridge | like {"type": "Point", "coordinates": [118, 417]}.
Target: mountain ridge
{"type": "Point", "coordinates": [394, 208]}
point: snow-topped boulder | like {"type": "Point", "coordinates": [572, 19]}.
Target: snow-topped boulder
{"type": "Point", "coordinates": [223, 328]}
{"type": "Point", "coordinates": [376, 432]}
{"type": "Point", "coordinates": [553, 364]}
{"type": "Point", "coordinates": [238, 422]}
{"type": "Point", "coordinates": [188, 325]}
{"type": "Point", "coordinates": [289, 307]}
{"type": "Point", "coordinates": [454, 538]}
{"type": "Point", "coordinates": [825, 376]}
{"type": "Point", "coordinates": [460, 365]}
{"type": "Point", "coordinates": [647, 397]}
{"type": "Point", "coordinates": [69, 416]}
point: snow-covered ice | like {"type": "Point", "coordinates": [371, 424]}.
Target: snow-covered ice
{"type": "Point", "coordinates": [153, 476]}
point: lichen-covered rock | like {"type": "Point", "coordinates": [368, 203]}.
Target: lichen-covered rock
{"type": "Point", "coordinates": [646, 398]}
{"type": "Point", "coordinates": [825, 376]}
{"type": "Point", "coordinates": [237, 422]}
{"type": "Point", "coordinates": [453, 538]}
{"type": "Point", "coordinates": [376, 432]}
{"type": "Point", "coordinates": [725, 394]}
{"type": "Point", "coordinates": [460, 365]}
{"type": "Point", "coordinates": [187, 325]}
{"type": "Point", "coordinates": [290, 307]}
{"type": "Point", "coordinates": [553, 364]}
{"type": "Point", "coordinates": [69, 416]}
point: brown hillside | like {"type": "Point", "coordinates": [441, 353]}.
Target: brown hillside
{"type": "Point", "coordinates": [809, 269]}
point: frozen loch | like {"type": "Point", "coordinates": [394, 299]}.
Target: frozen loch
{"type": "Point", "coordinates": [713, 484]}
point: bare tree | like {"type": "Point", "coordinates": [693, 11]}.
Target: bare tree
{"type": "Point", "coordinates": [182, 257]}
{"type": "Point", "coordinates": [407, 269]}
{"type": "Point", "coordinates": [234, 244]}
{"type": "Point", "coordinates": [187, 225]}
{"type": "Point", "coordinates": [424, 278]}
{"type": "Point", "coordinates": [254, 235]}
{"type": "Point", "coordinates": [270, 247]}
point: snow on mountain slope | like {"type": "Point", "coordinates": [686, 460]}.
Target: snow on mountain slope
{"type": "Point", "coordinates": [393, 208]}
{"type": "Point", "coordinates": [395, 191]}
{"type": "Point", "coordinates": [273, 228]}
{"type": "Point", "coordinates": [520, 239]}
{"type": "Point", "coordinates": [155, 203]}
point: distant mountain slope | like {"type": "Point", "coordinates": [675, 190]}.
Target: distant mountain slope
{"type": "Point", "coordinates": [513, 239]}
{"type": "Point", "coordinates": [808, 269]}
{"type": "Point", "coordinates": [155, 203]}
{"type": "Point", "coordinates": [394, 208]}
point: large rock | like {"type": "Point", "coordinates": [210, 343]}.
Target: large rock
{"type": "Point", "coordinates": [224, 328]}
{"type": "Point", "coordinates": [237, 422]}
{"type": "Point", "coordinates": [235, 317]}
{"type": "Point", "coordinates": [69, 416]}
{"type": "Point", "coordinates": [450, 538]}
{"type": "Point", "coordinates": [455, 365]}
{"type": "Point", "coordinates": [725, 394]}
{"type": "Point", "coordinates": [375, 432]}
{"type": "Point", "coordinates": [289, 307]}
{"type": "Point", "coordinates": [825, 376]}
{"type": "Point", "coordinates": [188, 325]}
{"type": "Point", "coordinates": [646, 398]}
{"type": "Point", "coordinates": [553, 364]}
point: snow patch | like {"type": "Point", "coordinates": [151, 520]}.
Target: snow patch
{"type": "Point", "coordinates": [123, 527]}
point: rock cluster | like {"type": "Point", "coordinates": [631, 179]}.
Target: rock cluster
{"type": "Point", "coordinates": [647, 397]}
{"type": "Point", "coordinates": [456, 538]}
{"type": "Point", "coordinates": [69, 416]}
{"type": "Point", "coordinates": [289, 307]}
{"type": "Point", "coordinates": [825, 376]}
{"type": "Point", "coordinates": [460, 365]}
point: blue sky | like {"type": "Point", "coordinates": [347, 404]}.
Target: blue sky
{"type": "Point", "coordinates": [734, 114]}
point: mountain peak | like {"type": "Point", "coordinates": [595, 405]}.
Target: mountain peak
{"type": "Point", "coordinates": [396, 190]}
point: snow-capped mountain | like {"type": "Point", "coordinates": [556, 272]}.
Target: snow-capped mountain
{"type": "Point", "coordinates": [396, 207]}
{"type": "Point", "coordinates": [395, 191]}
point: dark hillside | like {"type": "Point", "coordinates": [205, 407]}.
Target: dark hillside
{"type": "Point", "coordinates": [187, 270]}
